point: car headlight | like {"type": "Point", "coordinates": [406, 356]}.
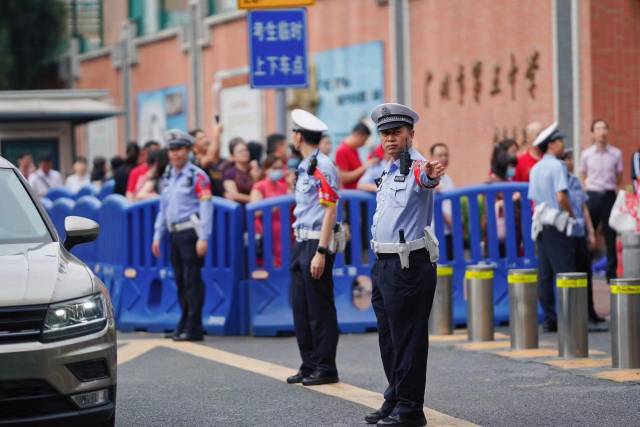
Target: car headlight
{"type": "Point", "coordinates": [74, 318]}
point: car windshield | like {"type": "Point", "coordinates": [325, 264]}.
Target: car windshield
{"type": "Point", "coordinates": [20, 221]}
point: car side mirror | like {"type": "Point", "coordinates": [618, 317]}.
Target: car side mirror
{"type": "Point", "coordinates": [79, 230]}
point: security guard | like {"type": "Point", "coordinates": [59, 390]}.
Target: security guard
{"type": "Point", "coordinates": [404, 274]}
{"type": "Point", "coordinates": [186, 211]}
{"type": "Point", "coordinates": [553, 220]}
{"type": "Point", "coordinates": [314, 312]}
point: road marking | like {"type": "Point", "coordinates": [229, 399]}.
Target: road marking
{"type": "Point", "coordinates": [529, 353]}
{"type": "Point", "coordinates": [133, 349]}
{"type": "Point", "coordinates": [484, 345]}
{"type": "Point", "coordinates": [620, 375]}
{"type": "Point", "coordinates": [460, 335]}
{"type": "Point", "coordinates": [341, 390]}
{"type": "Point", "coordinates": [578, 363]}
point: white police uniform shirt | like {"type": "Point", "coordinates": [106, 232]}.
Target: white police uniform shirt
{"type": "Point", "coordinates": [548, 177]}
{"type": "Point", "coordinates": [403, 202]}
{"type": "Point", "coordinates": [311, 195]}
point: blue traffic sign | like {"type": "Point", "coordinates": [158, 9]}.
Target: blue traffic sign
{"type": "Point", "coordinates": [278, 48]}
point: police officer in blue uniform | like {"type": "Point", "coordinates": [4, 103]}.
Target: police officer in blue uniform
{"type": "Point", "coordinates": [314, 312]}
{"type": "Point", "coordinates": [553, 220]}
{"type": "Point", "coordinates": [404, 274]}
{"type": "Point", "coordinates": [187, 213]}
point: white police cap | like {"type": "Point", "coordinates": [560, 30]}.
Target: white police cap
{"type": "Point", "coordinates": [391, 115]}
{"type": "Point", "coordinates": [176, 138]}
{"type": "Point", "coordinates": [549, 134]}
{"type": "Point", "coordinates": [304, 120]}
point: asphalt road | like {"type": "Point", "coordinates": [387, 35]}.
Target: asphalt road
{"type": "Point", "coordinates": [167, 387]}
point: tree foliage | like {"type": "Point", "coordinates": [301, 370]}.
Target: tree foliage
{"type": "Point", "coordinates": [33, 35]}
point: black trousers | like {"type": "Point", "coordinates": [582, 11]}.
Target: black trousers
{"type": "Point", "coordinates": [583, 265]}
{"type": "Point", "coordinates": [556, 254]}
{"type": "Point", "coordinates": [314, 311]}
{"type": "Point", "coordinates": [187, 268]}
{"type": "Point", "coordinates": [600, 204]}
{"type": "Point", "coordinates": [402, 300]}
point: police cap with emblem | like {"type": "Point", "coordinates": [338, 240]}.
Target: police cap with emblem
{"type": "Point", "coordinates": [548, 135]}
{"type": "Point", "coordinates": [175, 138]}
{"type": "Point", "coordinates": [391, 115]}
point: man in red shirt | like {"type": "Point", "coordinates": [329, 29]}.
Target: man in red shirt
{"type": "Point", "coordinates": [140, 170]}
{"type": "Point", "coordinates": [350, 168]}
{"type": "Point", "coordinates": [531, 156]}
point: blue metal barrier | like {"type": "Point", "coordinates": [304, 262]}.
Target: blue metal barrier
{"type": "Point", "coordinates": [269, 298]}
{"type": "Point", "coordinates": [150, 302]}
{"type": "Point", "coordinates": [87, 190]}
{"type": "Point", "coordinates": [57, 193]}
{"type": "Point", "coordinates": [351, 319]}
{"type": "Point", "coordinates": [106, 189]}
{"type": "Point", "coordinates": [61, 209]}
{"type": "Point", "coordinates": [478, 240]}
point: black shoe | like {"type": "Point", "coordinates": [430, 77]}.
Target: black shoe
{"type": "Point", "coordinates": [297, 378]}
{"type": "Point", "coordinates": [380, 414]}
{"type": "Point", "coordinates": [418, 420]}
{"type": "Point", "coordinates": [171, 335]}
{"type": "Point", "coordinates": [550, 327]}
{"type": "Point", "coordinates": [188, 337]}
{"type": "Point", "coordinates": [319, 378]}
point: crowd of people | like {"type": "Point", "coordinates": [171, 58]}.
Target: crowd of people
{"type": "Point", "coordinates": [248, 176]}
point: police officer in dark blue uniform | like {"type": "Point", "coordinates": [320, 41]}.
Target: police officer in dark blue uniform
{"type": "Point", "coordinates": [404, 274]}
{"type": "Point", "coordinates": [187, 213]}
{"type": "Point", "coordinates": [314, 312]}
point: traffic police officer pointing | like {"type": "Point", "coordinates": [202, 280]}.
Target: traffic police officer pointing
{"type": "Point", "coordinates": [187, 213]}
{"type": "Point", "coordinates": [404, 274]}
{"type": "Point", "coordinates": [553, 220]}
{"type": "Point", "coordinates": [314, 312]}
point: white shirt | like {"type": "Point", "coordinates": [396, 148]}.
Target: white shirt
{"type": "Point", "coordinates": [75, 182]}
{"type": "Point", "coordinates": [42, 183]}
{"type": "Point", "coordinates": [446, 184]}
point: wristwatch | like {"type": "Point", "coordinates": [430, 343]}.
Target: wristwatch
{"type": "Point", "coordinates": [322, 250]}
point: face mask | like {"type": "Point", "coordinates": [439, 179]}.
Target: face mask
{"type": "Point", "coordinates": [511, 172]}
{"type": "Point", "coordinates": [275, 175]}
{"type": "Point", "coordinates": [293, 163]}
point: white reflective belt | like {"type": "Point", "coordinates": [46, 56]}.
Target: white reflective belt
{"type": "Point", "coordinates": [303, 234]}
{"type": "Point", "coordinates": [176, 228]}
{"type": "Point", "coordinates": [394, 248]}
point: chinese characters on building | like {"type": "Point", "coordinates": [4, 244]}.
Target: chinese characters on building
{"type": "Point", "coordinates": [494, 82]}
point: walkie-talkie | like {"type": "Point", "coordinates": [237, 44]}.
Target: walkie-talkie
{"type": "Point", "coordinates": [313, 164]}
{"type": "Point", "coordinates": [401, 234]}
{"type": "Point", "coordinates": [405, 162]}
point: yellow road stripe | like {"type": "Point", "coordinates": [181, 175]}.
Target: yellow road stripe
{"type": "Point", "coordinates": [341, 390]}
{"type": "Point", "coordinates": [620, 375]}
{"type": "Point", "coordinates": [529, 353]}
{"type": "Point", "coordinates": [484, 345]}
{"type": "Point", "coordinates": [133, 349]}
{"type": "Point", "coordinates": [578, 363]}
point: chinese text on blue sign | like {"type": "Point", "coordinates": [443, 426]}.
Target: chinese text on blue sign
{"type": "Point", "coordinates": [278, 48]}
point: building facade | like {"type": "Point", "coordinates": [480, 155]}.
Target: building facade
{"type": "Point", "coordinates": [477, 71]}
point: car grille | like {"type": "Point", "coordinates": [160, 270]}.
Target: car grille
{"type": "Point", "coordinates": [30, 398]}
{"type": "Point", "coordinates": [20, 324]}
